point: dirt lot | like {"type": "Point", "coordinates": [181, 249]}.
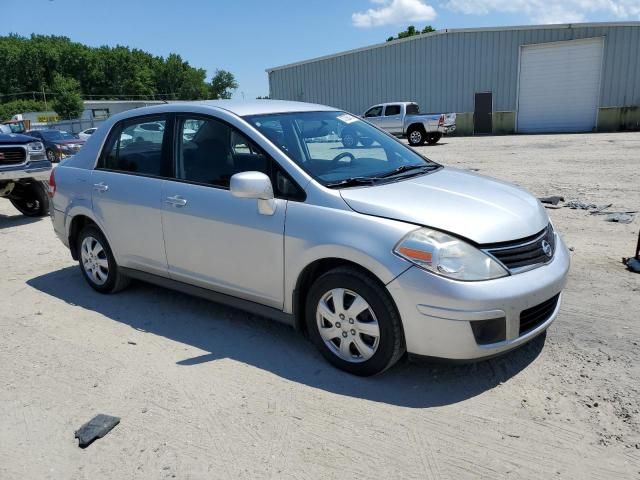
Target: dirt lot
{"type": "Point", "coordinates": [210, 392]}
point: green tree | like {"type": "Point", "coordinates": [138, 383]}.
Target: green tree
{"type": "Point", "coordinates": [67, 102]}
{"type": "Point", "coordinates": [412, 31]}
{"type": "Point", "coordinates": [120, 72]}
{"type": "Point", "coordinates": [223, 84]}
{"type": "Point", "coordinates": [9, 109]}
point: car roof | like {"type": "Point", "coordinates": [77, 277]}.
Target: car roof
{"type": "Point", "coordinates": [238, 107]}
{"type": "Point", "coordinates": [391, 103]}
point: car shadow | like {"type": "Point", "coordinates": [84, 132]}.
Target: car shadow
{"type": "Point", "coordinates": [224, 332]}
{"type": "Point", "coordinates": [8, 221]}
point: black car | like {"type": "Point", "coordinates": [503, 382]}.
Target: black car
{"type": "Point", "coordinates": [59, 144]}
{"type": "Point", "coordinates": [24, 171]}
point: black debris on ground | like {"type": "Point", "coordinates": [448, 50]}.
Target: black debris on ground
{"type": "Point", "coordinates": [95, 428]}
{"type": "Point", "coordinates": [553, 200]}
{"type": "Point", "coordinates": [632, 264]}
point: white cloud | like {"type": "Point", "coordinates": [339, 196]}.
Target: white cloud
{"type": "Point", "coordinates": [393, 12]}
{"type": "Point", "coordinates": [551, 11]}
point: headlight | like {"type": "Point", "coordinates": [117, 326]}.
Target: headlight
{"type": "Point", "coordinates": [35, 147]}
{"type": "Point", "coordinates": [448, 256]}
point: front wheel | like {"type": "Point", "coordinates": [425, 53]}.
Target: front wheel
{"type": "Point", "coordinates": [353, 322]}
{"type": "Point", "coordinates": [31, 199]}
{"type": "Point", "coordinates": [97, 263]}
{"type": "Point", "coordinates": [51, 156]}
{"type": "Point", "coordinates": [416, 136]}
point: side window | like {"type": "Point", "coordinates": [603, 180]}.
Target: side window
{"type": "Point", "coordinates": [412, 109]}
{"type": "Point", "coordinates": [392, 110]}
{"type": "Point", "coordinates": [135, 147]}
{"type": "Point", "coordinates": [374, 112]}
{"type": "Point", "coordinates": [210, 152]}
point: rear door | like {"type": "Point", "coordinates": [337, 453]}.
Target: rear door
{"type": "Point", "coordinates": [126, 194]}
{"type": "Point", "coordinates": [392, 119]}
{"type": "Point", "coordinates": [213, 239]}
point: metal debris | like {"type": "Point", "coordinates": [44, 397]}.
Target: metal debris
{"type": "Point", "coordinates": [620, 217]}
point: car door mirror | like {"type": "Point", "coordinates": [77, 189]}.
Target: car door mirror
{"type": "Point", "coordinates": [254, 185]}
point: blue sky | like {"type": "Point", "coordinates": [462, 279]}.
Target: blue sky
{"type": "Point", "coordinates": [247, 36]}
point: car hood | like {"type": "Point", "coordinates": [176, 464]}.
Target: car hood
{"type": "Point", "coordinates": [472, 206]}
{"type": "Point", "coordinates": [15, 139]}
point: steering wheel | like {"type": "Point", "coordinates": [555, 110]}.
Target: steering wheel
{"type": "Point", "coordinates": [342, 155]}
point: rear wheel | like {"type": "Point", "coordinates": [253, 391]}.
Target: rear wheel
{"type": "Point", "coordinates": [31, 199]}
{"type": "Point", "coordinates": [366, 141]}
{"type": "Point", "coordinates": [353, 322]}
{"type": "Point", "coordinates": [433, 138]}
{"type": "Point", "coordinates": [416, 136]}
{"type": "Point", "coordinates": [97, 263]}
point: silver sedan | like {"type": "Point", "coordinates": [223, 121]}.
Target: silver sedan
{"type": "Point", "coordinates": [372, 251]}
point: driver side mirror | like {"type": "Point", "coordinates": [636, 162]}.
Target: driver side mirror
{"type": "Point", "coordinates": [254, 185]}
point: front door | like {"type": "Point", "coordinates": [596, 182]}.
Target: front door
{"type": "Point", "coordinates": [126, 196]}
{"type": "Point", "coordinates": [213, 239]}
{"type": "Point", "coordinates": [482, 124]}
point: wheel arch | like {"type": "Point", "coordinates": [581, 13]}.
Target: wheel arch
{"type": "Point", "coordinates": [313, 271]}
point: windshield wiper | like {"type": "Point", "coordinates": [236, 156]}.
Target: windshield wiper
{"type": "Point", "coordinates": [353, 181]}
{"type": "Point", "coordinates": [407, 168]}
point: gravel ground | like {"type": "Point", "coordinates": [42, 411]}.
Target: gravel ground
{"type": "Point", "coordinates": [206, 391]}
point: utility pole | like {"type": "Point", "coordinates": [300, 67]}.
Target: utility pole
{"type": "Point", "coordinates": [44, 95]}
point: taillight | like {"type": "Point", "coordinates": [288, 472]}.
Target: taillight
{"type": "Point", "coordinates": [52, 184]}
{"type": "Point", "coordinates": [441, 121]}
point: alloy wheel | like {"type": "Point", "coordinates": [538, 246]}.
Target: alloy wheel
{"type": "Point", "coordinates": [94, 260]}
{"type": "Point", "coordinates": [348, 325]}
{"type": "Point", "coordinates": [415, 136]}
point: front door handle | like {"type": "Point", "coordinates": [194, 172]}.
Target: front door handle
{"type": "Point", "coordinates": [101, 187]}
{"type": "Point", "coordinates": [176, 201]}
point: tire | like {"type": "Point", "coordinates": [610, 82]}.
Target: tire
{"type": "Point", "coordinates": [416, 136]}
{"type": "Point", "coordinates": [51, 156]}
{"type": "Point", "coordinates": [362, 353]}
{"type": "Point", "coordinates": [366, 141]}
{"type": "Point", "coordinates": [433, 138]}
{"type": "Point", "coordinates": [97, 263]}
{"type": "Point", "coordinates": [349, 138]}
{"type": "Point", "coordinates": [31, 199]}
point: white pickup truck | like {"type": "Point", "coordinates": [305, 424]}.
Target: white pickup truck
{"type": "Point", "coordinates": [403, 119]}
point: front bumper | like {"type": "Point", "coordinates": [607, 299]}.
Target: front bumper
{"type": "Point", "coordinates": [437, 312]}
{"type": "Point", "coordinates": [38, 170]}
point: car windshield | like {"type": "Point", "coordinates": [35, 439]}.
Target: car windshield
{"type": "Point", "coordinates": [55, 135]}
{"type": "Point", "coordinates": [336, 147]}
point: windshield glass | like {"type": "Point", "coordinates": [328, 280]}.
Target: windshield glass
{"type": "Point", "coordinates": [336, 146]}
{"type": "Point", "coordinates": [54, 135]}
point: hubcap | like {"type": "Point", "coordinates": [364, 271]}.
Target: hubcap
{"type": "Point", "coordinates": [415, 136]}
{"type": "Point", "coordinates": [347, 325]}
{"type": "Point", "coordinates": [94, 260]}
{"type": "Point", "coordinates": [348, 140]}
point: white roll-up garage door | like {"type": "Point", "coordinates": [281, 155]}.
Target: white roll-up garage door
{"type": "Point", "coordinates": [559, 86]}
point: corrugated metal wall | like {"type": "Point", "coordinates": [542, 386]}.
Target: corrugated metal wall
{"type": "Point", "coordinates": [442, 72]}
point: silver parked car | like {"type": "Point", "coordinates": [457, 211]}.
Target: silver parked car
{"type": "Point", "coordinates": [372, 251]}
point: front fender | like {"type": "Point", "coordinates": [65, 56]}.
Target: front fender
{"type": "Point", "coordinates": [314, 233]}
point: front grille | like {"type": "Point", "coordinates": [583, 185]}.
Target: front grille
{"type": "Point", "coordinates": [526, 252]}
{"type": "Point", "coordinates": [11, 155]}
{"type": "Point", "coordinates": [534, 316]}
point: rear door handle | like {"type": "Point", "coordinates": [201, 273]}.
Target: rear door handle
{"type": "Point", "coordinates": [176, 201]}
{"type": "Point", "coordinates": [100, 187]}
